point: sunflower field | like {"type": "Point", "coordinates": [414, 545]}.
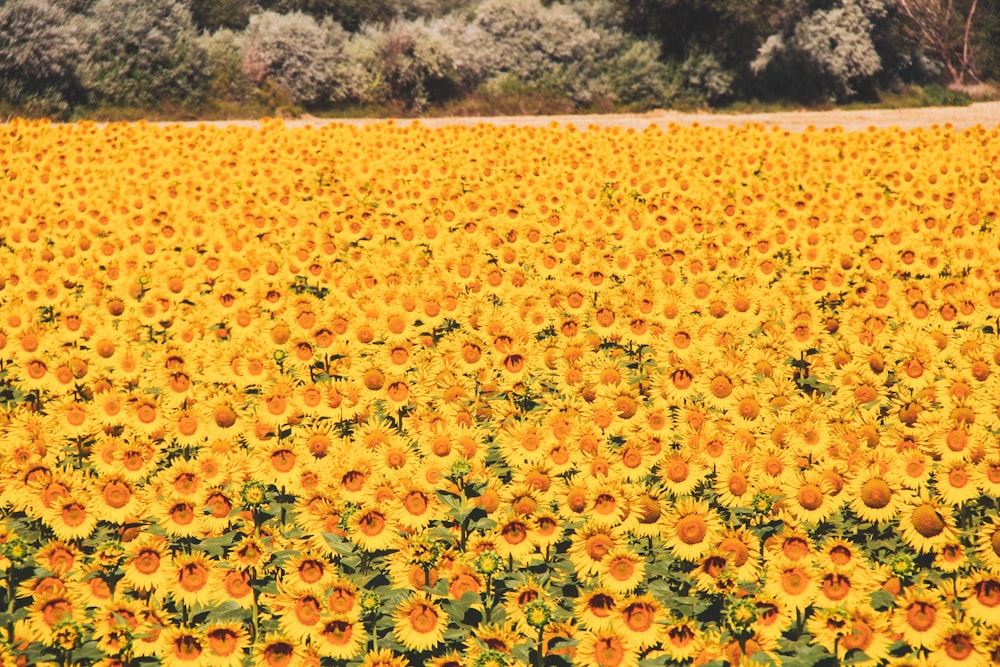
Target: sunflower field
{"type": "Point", "coordinates": [390, 396]}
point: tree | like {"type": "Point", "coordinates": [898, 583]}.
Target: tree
{"type": "Point", "coordinates": [140, 54]}
{"type": "Point", "coordinates": [37, 56]}
{"type": "Point", "coordinates": [945, 28]}
{"type": "Point", "coordinates": [305, 58]}
{"type": "Point", "coordinates": [826, 52]}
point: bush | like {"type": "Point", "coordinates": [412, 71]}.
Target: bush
{"type": "Point", "coordinates": [140, 54]}
{"type": "Point", "coordinates": [224, 65]}
{"type": "Point", "coordinates": [304, 58]}
{"type": "Point", "coordinates": [37, 56]}
{"type": "Point", "coordinates": [407, 63]}
{"type": "Point", "coordinates": [828, 53]}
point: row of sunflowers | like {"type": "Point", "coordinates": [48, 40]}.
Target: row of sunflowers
{"type": "Point", "coordinates": [390, 396]}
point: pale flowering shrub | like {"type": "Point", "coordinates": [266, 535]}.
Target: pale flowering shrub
{"type": "Point", "coordinates": [139, 53]}
{"type": "Point", "coordinates": [37, 56]}
{"type": "Point", "coordinates": [304, 58]}
{"type": "Point", "coordinates": [832, 49]}
{"type": "Point", "coordinates": [408, 62]}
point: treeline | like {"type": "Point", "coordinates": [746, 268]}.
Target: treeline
{"type": "Point", "coordinates": [212, 58]}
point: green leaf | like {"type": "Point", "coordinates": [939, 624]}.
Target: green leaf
{"type": "Point", "coordinates": [881, 600]}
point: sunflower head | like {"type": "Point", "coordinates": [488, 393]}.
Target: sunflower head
{"type": "Point", "coordinates": [488, 563]}
{"type": "Point", "coordinates": [741, 614]}
{"type": "Point", "coordinates": [253, 494]}
{"type": "Point", "coordinates": [16, 550]}
{"type": "Point", "coordinates": [370, 603]}
{"type": "Point", "coordinates": [67, 634]}
{"type": "Point", "coordinates": [493, 658]}
{"type": "Point", "coordinates": [538, 613]}
{"type": "Point", "coordinates": [901, 565]}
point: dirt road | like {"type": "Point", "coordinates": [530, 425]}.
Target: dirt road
{"type": "Point", "coordinates": [986, 114]}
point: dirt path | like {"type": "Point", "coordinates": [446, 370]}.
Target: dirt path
{"type": "Point", "coordinates": [986, 114]}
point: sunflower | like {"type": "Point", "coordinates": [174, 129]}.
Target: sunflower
{"type": "Point", "coordinates": [340, 639]}
{"type": "Point", "coordinates": [836, 552]}
{"type": "Point", "coordinates": [177, 516]}
{"type": "Point", "coordinates": [71, 516]}
{"type": "Point", "coordinates": [773, 617]}
{"type": "Point", "coordinates": [607, 502]}
{"type": "Point", "coordinates": [679, 474]}
{"type": "Point", "coordinates": [276, 650]}
{"type": "Point", "coordinates": [372, 529]}
{"type": "Point", "coordinates": [233, 586]}
{"type": "Point", "coordinates": [960, 645]}
{"type": "Point", "coordinates": [226, 642]}
{"type": "Point", "coordinates": [58, 557]}
{"type": "Point", "coordinates": [416, 506]}
{"type": "Point", "coordinates": [927, 525]}
{"type": "Point", "coordinates": [512, 537]}
{"type": "Point", "coordinates": [986, 475]}
{"type": "Point", "coordinates": [299, 614]}
{"type": "Point", "coordinates": [867, 632]}
{"type": "Point", "coordinates": [308, 571]}
{"type": "Point", "coordinates": [192, 573]}
{"type": "Point", "coordinates": [741, 549]}
{"type": "Point", "coordinates": [418, 623]}
{"type": "Point", "coordinates": [641, 617]}
{"type": "Point", "coordinates": [980, 593]}
{"type": "Point", "coordinates": [607, 647]}
{"type": "Point", "coordinates": [809, 498]}
{"type": "Point", "coordinates": [793, 583]}
{"type": "Point", "coordinates": [735, 487]}
{"type": "Point", "coordinates": [691, 529]}
{"type": "Point", "coordinates": [988, 544]}
{"type": "Point", "coordinates": [621, 570]}
{"type": "Point", "coordinates": [595, 608]}
{"type": "Point", "coordinates": [184, 647]}
{"type": "Point", "coordinates": [147, 564]}
{"type": "Point", "coordinates": [384, 658]}
{"type": "Point", "coordinates": [681, 639]}
{"type": "Point", "coordinates": [955, 483]}
{"type": "Point", "coordinates": [589, 545]}
{"type": "Point", "coordinates": [876, 497]}
{"type": "Point", "coordinates": [50, 610]}
{"type": "Point", "coordinates": [843, 587]}
{"type": "Point", "coordinates": [343, 600]}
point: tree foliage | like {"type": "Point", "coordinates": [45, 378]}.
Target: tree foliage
{"type": "Point", "coordinates": [306, 59]}
{"type": "Point", "coordinates": [140, 53]}
{"type": "Point", "coordinates": [831, 49]}
{"type": "Point", "coordinates": [37, 56]}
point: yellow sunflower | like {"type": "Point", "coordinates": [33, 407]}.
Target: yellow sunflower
{"type": "Point", "coordinates": [988, 544]}
{"type": "Point", "coordinates": [589, 545]}
{"type": "Point", "coordinates": [340, 639]}
{"type": "Point", "coordinates": [184, 647]}
{"type": "Point", "coordinates": [621, 570]}
{"type": "Point", "coordinates": [641, 618]}
{"type": "Point", "coordinates": [419, 623]}
{"type": "Point", "coordinates": [275, 650]}
{"type": "Point", "coordinates": [192, 573]}
{"type": "Point", "coordinates": [607, 647]}
{"type": "Point", "coordinates": [596, 607]}
{"type": "Point", "coordinates": [226, 643]}
{"type": "Point", "coordinates": [927, 525]}
{"type": "Point", "coordinates": [959, 646]}
{"type": "Point", "coordinates": [980, 593]}
{"type": "Point", "coordinates": [147, 564]}
{"type": "Point", "coordinates": [691, 528]}
{"type": "Point", "coordinates": [681, 639]}
{"type": "Point", "coordinates": [876, 497]}
{"type": "Point", "coordinates": [791, 582]}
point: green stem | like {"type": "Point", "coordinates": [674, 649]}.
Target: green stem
{"type": "Point", "coordinates": [540, 655]}
{"type": "Point", "coordinates": [488, 599]}
{"type": "Point", "coordinates": [254, 617]}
